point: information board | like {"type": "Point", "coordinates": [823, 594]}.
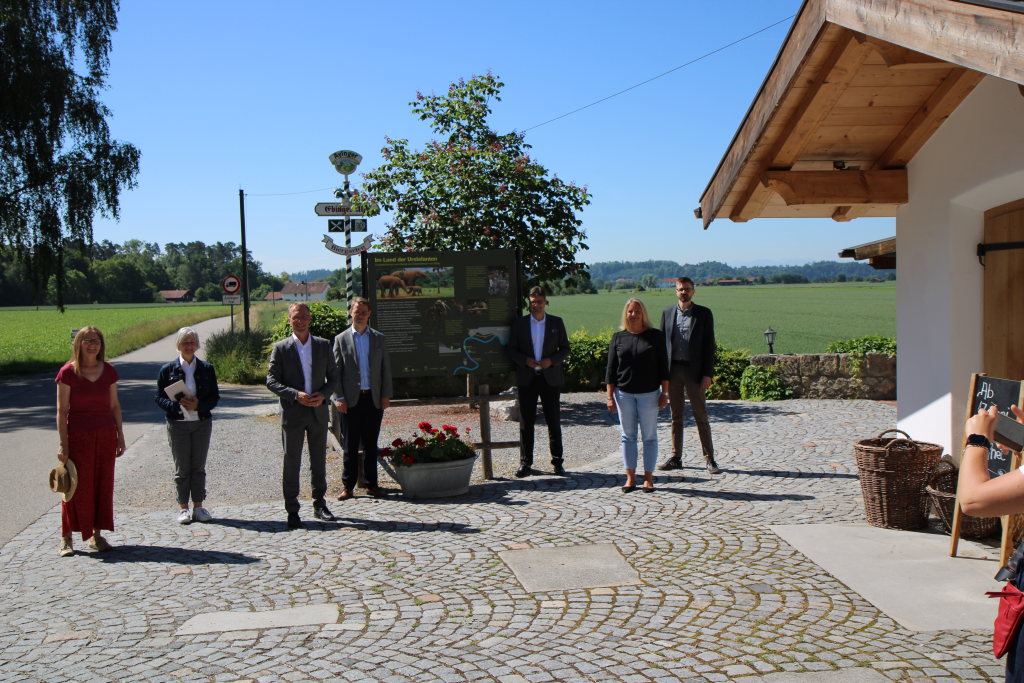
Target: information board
{"type": "Point", "coordinates": [444, 313]}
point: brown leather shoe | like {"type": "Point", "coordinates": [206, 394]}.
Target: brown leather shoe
{"type": "Point", "coordinates": [376, 492]}
{"type": "Point", "coordinates": [671, 464]}
{"type": "Point", "coordinates": [345, 494]}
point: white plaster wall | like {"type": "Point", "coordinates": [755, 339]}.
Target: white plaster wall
{"type": "Point", "coordinates": [974, 162]}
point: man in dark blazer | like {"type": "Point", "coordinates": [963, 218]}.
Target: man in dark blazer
{"type": "Point", "coordinates": [690, 337]}
{"type": "Point", "coordinates": [538, 344]}
{"type": "Point", "coordinates": [363, 395]}
{"type": "Point", "coordinates": [303, 373]}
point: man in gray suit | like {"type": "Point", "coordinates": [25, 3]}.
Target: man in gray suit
{"type": "Point", "coordinates": [538, 344]}
{"type": "Point", "coordinates": [364, 393]}
{"type": "Point", "coordinates": [302, 373]}
{"type": "Point", "coordinates": [689, 332]}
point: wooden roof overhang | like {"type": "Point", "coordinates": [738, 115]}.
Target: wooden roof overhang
{"type": "Point", "coordinates": [856, 90]}
{"type": "Point", "coordinates": [880, 254]}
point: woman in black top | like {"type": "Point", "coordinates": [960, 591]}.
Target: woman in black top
{"type": "Point", "coordinates": [637, 381]}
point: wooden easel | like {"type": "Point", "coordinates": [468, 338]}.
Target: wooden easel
{"type": "Point", "coordinates": [1006, 547]}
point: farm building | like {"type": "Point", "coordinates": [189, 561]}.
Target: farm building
{"type": "Point", "coordinates": [912, 110]}
{"type": "Point", "coordinates": [305, 291]}
{"type": "Point", "coordinates": [272, 296]}
{"type": "Point", "coordinates": [177, 296]}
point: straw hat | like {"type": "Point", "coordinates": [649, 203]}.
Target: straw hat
{"type": "Point", "coordinates": [64, 480]}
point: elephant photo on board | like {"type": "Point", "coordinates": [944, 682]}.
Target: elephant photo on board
{"type": "Point", "coordinates": [392, 283]}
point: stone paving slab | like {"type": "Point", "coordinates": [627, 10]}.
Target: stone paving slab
{"type": "Point", "coordinates": [575, 567]}
{"type": "Point", "coordinates": [909, 575]}
{"type": "Point", "coordinates": [220, 622]}
{"type": "Point", "coordinates": [423, 594]}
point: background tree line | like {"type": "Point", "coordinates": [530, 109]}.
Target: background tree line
{"type": "Point", "coordinates": [134, 272]}
{"type": "Point", "coordinates": [636, 270]}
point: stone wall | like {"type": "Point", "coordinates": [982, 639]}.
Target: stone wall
{"type": "Point", "coordinates": [830, 375]}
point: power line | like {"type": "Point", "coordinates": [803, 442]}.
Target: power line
{"type": "Point", "coordinates": [603, 99]}
{"type": "Point", "coordinates": [660, 75]}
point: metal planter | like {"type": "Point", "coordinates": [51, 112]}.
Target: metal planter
{"type": "Point", "coordinates": [433, 479]}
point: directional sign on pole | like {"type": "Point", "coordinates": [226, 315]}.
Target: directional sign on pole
{"type": "Point", "coordinates": [331, 209]}
{"type": "Point", "coordinates": [336, 225]}
{"type": "Point", "coordinates": [339, 225]}
{"type": "Point", "coordinates": [231, 285]}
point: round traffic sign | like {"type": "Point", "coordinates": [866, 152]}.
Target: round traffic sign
{"type": "Point", "coordinates": [231, 284]}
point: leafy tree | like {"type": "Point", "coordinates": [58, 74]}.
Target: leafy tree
{"type": "Point", "coordinates": [209, 292]}
{"type": "Point", "coordinates": [58, 163]}
{"type": "Point", "coordinates": [891, 277]}
{"type": "Point", "coordinates": [649, 281]}
{"type": "Point", "coordinates": [76, 291]}
{"type": "Point", "coordinates": [260, 293]}
{"type": "Point", "coordinates": [858, 278]}
{"type": "Point", "coordinates": [608, 286]}
{"type": "Point", "coordinates": [841, 277]}
{"type": "Point", "coordinates": [118, 280]}
{"type": "Point", "coordinates": [476, 189]}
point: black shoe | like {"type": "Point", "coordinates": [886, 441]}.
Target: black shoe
{"type": "Point", "coordinates": [671, 464]}
{"type": "Point", "coordinates": [523, 471]}
{"type": "Point", "coordinates": [628, 489]}
{"type": "Point", "coordinates": [559, 470]}
{"type": "Point", "coordinates": [294, 522]}
{"type": "Point", "coordinates": [713, 467]}
{"type": "Point", "coordinates": [321, 512]}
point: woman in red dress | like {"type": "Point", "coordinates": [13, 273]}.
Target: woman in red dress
{"type": "Point", "coordinates": [89, 423]}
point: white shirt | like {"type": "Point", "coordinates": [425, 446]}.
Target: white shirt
{"type": "Point", "coordinates": [190, 383]}
{"type": "Point", "coordinates": [537, 334]}
{"type": "Point", "coordinates": [306, 358]}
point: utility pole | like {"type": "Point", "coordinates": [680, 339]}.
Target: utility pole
{"type": "Point", "coordinates": [245, 264]}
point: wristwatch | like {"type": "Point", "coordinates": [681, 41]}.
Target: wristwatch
{"type": "Point", "coordinates": [978, 440]}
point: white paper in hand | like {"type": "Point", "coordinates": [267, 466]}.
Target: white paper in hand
{"type": "Point", "coordinates": [179, 388]}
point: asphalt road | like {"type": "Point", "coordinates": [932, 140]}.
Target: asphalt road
{"type": "Point", "coordinates": [28, 429]}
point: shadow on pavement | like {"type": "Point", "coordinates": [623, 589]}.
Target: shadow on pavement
{"type": "Point", "coordinates": [795, 475]}
{"type": "Point", "coordinates": [734, 495]}
{"type": "Point", "coordinates": [156, 553]}
{"type": "Point", "coordinates": [275, 526]}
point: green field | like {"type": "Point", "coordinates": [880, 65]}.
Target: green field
{"type": "Point", "coordinates": [38, 340]}
{"type": "Point", "coordinates": [806, 317]}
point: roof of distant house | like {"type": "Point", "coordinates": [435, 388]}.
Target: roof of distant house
{"type": "Point", "coordinates": [730, 281]}
{"type": "Point", "coordinates": [301, 288]}
{"type": "Point", "coordinates": [174, 293]}
{"type": "Point", "coordinates": [272, 296]}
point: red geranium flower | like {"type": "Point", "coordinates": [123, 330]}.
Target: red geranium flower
{"type": "Point", "coordinates": [440, 437]}
{"type": "Point", "coordinates": [426, 426]}
{"type": "Point", "coordinates": [419, 442]}
{"type": "Point", "coordinates": [397, 443]}
{"type": "Point", "coordinates": [384, 452]}
{"type": "Point", "coordinates": [434, 431]}
{"type": "Point", "coordinates": [450, 429]}
{"type": "Point", "coordinates": [409, 459]}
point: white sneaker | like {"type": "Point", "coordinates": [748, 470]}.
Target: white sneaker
{"type": "Point", "coordinates": [201, 514]}
{"type": "Point", "coordinates": [184, 517]}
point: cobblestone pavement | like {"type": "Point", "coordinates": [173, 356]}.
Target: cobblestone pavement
{"type": "Point", "coordinates": [424, 595]}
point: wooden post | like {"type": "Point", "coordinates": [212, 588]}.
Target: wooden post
{"type": "Point", "coordinates": [470, 385]}
{"type": "Point", "coordinates": [485, 432]}
{"type": "Point", "coordinates": [958, 515]}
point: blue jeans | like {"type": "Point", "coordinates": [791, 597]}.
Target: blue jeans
{"type": "Point", "coordinates": [638, 411]}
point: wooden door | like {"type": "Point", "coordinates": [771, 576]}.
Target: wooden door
{"type": "Point", "coordinates": [1004, 293]}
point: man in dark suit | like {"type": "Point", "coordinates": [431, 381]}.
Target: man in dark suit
{"type": "Point", "coordinates": [303, 373]}
{"type": "Point", "coordinates": [363, 395]}
{"type": "Point", "coordinates": [690, 337]}
{"type": "Point", "coordinates": [538, 344]}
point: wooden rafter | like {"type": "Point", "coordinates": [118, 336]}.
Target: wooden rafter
{"type": "Point", "coordinates": [838, 187]}
{"type": "Point", "coordinates": [897, 57]}
{"type": "Point", "coordinates": [833, 78]}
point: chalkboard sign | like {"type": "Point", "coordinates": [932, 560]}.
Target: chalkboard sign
{"type": "Point", "coordinates": [1002, 393]}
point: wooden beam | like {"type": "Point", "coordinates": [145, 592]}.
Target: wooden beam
{"type": "Point", "coordinates": [946, 98]}
{"type": "Point", "coordinates": [833, 78]}
{"type": "Point", "coordinates": [806, 31]}
{"type": "Point", "coordinates": [881, 248]}
{"type": "Point", "coordinates": [838, 187]}
{"type": "Point", "coordinates": [897, 57]}
{"type": "Point", "coordinates": [845, 214]}
{"type": "Point", "coordinates": [882, 262]}
{"type": "Point", "coordinates": [972, 36]}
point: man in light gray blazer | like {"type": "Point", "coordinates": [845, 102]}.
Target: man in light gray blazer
{"type": "Point", "coordinates": [303, 373]}
{"type": "Point", "coordinates": [364, 393]}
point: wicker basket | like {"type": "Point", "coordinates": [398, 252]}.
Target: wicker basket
{"type": "Point", "coordinates": [941, 490]}
{"type": "Point", "coordinates": [893, 476]}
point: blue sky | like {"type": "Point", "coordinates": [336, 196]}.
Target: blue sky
{"type": "Point", "coordinates": [224, 95]}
